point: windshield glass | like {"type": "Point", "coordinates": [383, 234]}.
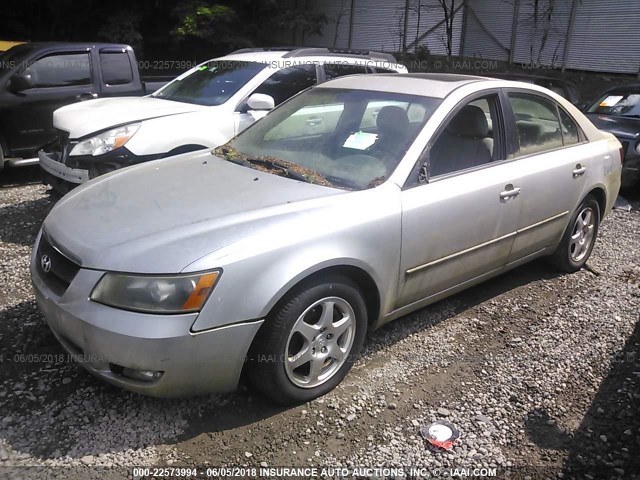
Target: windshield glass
{"type": "Point", "coordinates": [350, 139]}
{"type": "Point", "coordinates": [212, 83]}
{"type": "Point", "coordinates": [618, 102]}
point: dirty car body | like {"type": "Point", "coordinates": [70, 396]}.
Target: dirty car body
{"type": "Point", "coordinates": [348, 206]}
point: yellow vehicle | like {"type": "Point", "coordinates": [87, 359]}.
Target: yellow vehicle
{"type": "Point", "coordinates": [7, 44]}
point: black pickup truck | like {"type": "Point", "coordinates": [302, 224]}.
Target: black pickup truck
{"type": "Point", "coordinates": [38, 78]}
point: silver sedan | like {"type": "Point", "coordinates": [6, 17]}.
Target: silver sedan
{"type": "Point", "coordinates": [353, 204]}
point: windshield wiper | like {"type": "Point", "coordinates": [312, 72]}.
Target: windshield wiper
{"type": "Point", "coordinates": [276, 166]}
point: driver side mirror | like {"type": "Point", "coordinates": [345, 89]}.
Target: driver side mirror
{"type": "Point", "coordinates": [20, 82]}
{"type": "Point", "coordinates": [261, 101]}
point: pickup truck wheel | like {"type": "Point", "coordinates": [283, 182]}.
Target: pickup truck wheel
{"type": "Point", "coordinates": [579, 237]}
{"type": "Point", "coordinates": [309, 343]}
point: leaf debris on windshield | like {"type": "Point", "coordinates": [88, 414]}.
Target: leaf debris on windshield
{"type": "Point", "coordinates": [273, 165]}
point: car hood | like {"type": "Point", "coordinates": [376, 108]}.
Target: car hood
{"type": "Point", "coordinates": [160, 216]}
{"type": "Point", "coordinates": [84, 118]}
{"type": "Point", "coordinates": [622, 127]}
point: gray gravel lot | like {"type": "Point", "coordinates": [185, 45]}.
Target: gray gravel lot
{"type": "Point", "coordinates": [540, 372]}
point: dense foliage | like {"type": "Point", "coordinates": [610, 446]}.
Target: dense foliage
{"type": "Point", "coordinates": [190, 29]}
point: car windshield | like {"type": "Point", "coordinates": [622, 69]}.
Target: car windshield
{"type": "Point", "coordinates": [212, 83]}
{"type": "Point", "coordinates": [349, 139]}
{"type": "Point", "coordinates": [618, 102]}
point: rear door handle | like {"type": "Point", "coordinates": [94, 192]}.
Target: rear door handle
{"type": "Point", "coordinates": [579, 170]}
{"type": "Point", "coordinates": [509, 192]}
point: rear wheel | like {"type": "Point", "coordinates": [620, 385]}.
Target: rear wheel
{"type": "Point", "coordinates": [579, 237]}
{"type": "Point", "coordinates": [309, 343]}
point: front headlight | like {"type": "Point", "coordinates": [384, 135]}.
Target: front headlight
{"type": "Point", "coordinates": [106, 141]}
{"type": "Point", "coordinates": [155, 294]}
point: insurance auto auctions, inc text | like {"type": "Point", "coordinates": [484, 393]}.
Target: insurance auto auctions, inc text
{"type": "Point", "coordinates": [368, 472]}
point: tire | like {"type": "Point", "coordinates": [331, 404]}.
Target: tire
{"type": "Point", "coordinates": [579, 237]}
{"type": "Point", "coordinates": [326, 347]}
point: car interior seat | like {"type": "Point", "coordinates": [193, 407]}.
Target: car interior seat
{"type": "Point", "coordinates": [393, 127]}
{"type": "Point", "coordinates": [464, 143]}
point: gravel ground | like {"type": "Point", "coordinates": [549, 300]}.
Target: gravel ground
{"type": "Point", "coordinates": [539, 371]}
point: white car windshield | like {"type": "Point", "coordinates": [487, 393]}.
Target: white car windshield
{"type": "Point", "coordinates": [212, 83]}
{"type": "Point", "coordinates": [351, 139]}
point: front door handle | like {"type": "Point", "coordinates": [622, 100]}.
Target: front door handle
{"type": "Point", "coordinates": [87, 96]}
{"type": "Point", "coordinates": [579, 170]}
{"type": "Point", "coordinates": [509, 192]}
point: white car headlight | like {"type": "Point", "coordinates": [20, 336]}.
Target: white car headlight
{"type": "Point", "coordinates": [106, 141]}
{"type": "Point", "coordinates": [155, 294]}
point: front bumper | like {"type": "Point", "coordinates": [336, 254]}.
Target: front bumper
{"type": "Point", "coordinates": [50, 164]}
{"type": "Point", "coordinates": [106, 341]}
{"type": "Point", "coordinates": [64, 173]}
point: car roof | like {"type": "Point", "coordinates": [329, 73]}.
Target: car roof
{"type": "Point", "coordinates": [623, 87]}
{"type": "Point", "coordinates": [523, 77]}
{"type": "Point", "coordinates": [312, 55]}
{"type": "Point", "coordinates": [62, 45]}
{"type": "Point", "coordinates": [437, 85]}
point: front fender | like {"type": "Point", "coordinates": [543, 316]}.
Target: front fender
{"type": "Point", "coordinates": [208, 128]}
{"type": "Point", "coordinates": [259, 271]}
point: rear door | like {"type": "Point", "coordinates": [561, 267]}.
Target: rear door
{"type": "Point", "coordinates": [118, 73]}
{"type": "Point", "coordinates": [59, 78]}
{"type": "Point", "coordinates": [554, 161]}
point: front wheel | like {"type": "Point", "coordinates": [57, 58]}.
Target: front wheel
{"type": "Point", "coordinates": [579, 237]}
{"type": "Point", "coordinates": [309, 343]}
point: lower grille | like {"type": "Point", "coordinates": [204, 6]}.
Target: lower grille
{"type": "Point", "coordinates": [55, 268]}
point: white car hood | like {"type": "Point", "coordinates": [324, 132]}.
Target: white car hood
{"type": "Point", "coordinates": [84, 118]}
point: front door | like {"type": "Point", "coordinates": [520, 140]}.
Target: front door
{"type": "Point", "coordinates": [462, 223]}
{"type": "Point", "coordinates": [58, 79]}
{"type": "Point", "coordinates": [282, 85]}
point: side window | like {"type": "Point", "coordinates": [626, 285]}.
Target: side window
{"type": "Point", "coordinates": [468, 139]}
{"type": "Point", "coordinates": [308, 121]}
{"type": "Point", "coordinates": [537, 123]}
{"type": "Point", "coordinates": [335, 70]}
{"type": "Point", "coordinates": [116, 68]}
{"type": "Point", "coordinates": [287, 82]}
{"type": "Point", "coordinates": [570, 131]}
{"type": "Point", "coordinates": [61, 70]}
